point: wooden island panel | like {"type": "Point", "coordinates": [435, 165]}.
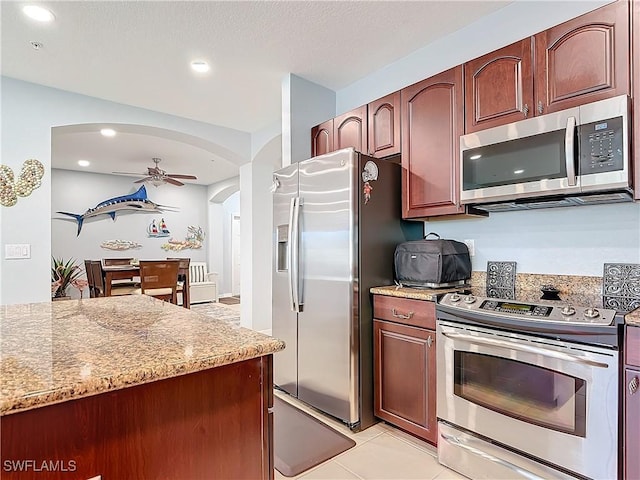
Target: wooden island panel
{"type": "Point", "coordinates": [203, 425]}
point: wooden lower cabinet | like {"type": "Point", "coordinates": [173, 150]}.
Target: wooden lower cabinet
{"type": "Point", "coordinates": [215, 423]}
{"type": "Point", "coordinates": [631, 387]}
{"type": "Point", "coordinates": [405, 377]}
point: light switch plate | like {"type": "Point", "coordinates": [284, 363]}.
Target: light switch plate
{"type": "Point", "coordinates": [471, 245]}
{"type": "Point", "coordinates": [17, 251]}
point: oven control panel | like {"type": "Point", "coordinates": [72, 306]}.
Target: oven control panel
{"type": "Point", "coordinates": [546, 312]}
{"type": "Point", "coordinates": [516, 308]}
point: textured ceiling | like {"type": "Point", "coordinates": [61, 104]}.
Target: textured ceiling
{"type": "Point", "coordinates": [138, 53]}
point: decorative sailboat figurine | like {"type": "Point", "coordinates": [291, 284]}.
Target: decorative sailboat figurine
{"type": "Point", "coordinates": [154, 231]}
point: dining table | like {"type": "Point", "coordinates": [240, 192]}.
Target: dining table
{"type": "Point", "coordinates": [118, 272]}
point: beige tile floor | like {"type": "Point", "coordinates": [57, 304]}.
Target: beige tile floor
{"type": "Point", "coordinates": [381, 452]}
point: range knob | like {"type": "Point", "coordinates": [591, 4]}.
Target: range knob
{"type": "Point", "coordinates": [591, 312]}
{"type": "Point", "coordinates": [469, 299]}
{"type": "Point", "coordinates": [568, 310]}
{"type": "Point", "coordinates": [454, 297]}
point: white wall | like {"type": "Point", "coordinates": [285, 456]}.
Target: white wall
{"type": "Point", "coordinates": [304, 105]}
{"type": "Point", "coordinates": [75, 192]}
{"type": "Point", "coordinates": [230, 207]}
{"type": "Point", "coordinates": [28, 113]}
{"type": "Point", "coordinates": [563, 241]}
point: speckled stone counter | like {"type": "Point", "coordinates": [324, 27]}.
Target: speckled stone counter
{"type": "Point", "coordinates": [633, 318]}
{"type": "Point", "coordinates": [57, 351]}
{"type": "Point", "coordinates": [575, 290]}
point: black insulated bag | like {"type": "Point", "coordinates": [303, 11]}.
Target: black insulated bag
{"type": "Point", "coordinates": [432, 263]}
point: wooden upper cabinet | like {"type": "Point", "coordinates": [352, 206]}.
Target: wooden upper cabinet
{"type": "Point", "coordinates": [583, 60]}
{"type": "Point", "coordinates": [384, 126]}
{"type": "Point", "coordinates": [432, 122]}
{"type": "Point", "coordinates": [322, 138]}
{"type": "Point", "coordinates": [635, 93]}
{"type": "Point", "coordinates": [499, 87]}
{"type": "Point", "coordinates": [349, 130]}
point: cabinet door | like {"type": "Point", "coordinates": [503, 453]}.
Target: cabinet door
{"type": "Point", "coordinates": [632, 425]}
{"type": "Point", "coordinates": [583, 60]}
{"type": "Point", "coordinates": [405, 378]}
{"type": "Point", "coordinates": [384, 126]}
{"type": "Point", "coordinates": [432, 122]}
{"type": "Point", "coordinates": [349, 130]}
{"type": "Point", "coordinates": [635, 68]}
{"type": "Point", "coordinates": [322, 138]}
{"type": "Point", "coordinates": [499, 87]}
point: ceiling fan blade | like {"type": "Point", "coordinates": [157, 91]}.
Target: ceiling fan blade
{"type": "Point", "coordinates": [143, 180]}
{"type": "Point", "coordinates": [173, 182]}
{"type": "Point", "coordinates": [130, 174]}
{"type": "Point", "coordinates": [177, 175]}
{"type": "Point", "coordinates": [154, 171]}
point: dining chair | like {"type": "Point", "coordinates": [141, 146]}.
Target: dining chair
{"type": "Point", "coordinates": [116, 261]}
{"type": "Point", "coordinates": [98, 281]}
{"type": "Point", "coordinates": [89, 272]}
{"type": "Point", "coordinates": [183, 280]}
{"type": "Point", "coordinates": [159, 279]}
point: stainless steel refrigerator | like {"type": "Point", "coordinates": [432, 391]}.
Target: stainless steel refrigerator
{"type": "Point", "coordinates": [337, 221]}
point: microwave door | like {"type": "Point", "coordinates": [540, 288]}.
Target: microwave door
{"type": "Point", "coordinates": [531, 158]}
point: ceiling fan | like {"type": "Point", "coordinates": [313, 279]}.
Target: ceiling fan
{"type": "Point", "coordinates": [157, 176]}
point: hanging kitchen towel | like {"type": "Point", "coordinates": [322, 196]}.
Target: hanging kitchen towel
{"type": "Point", "coordinates": [432, 263]}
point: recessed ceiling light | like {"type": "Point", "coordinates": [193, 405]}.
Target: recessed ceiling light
{"type": "Point", "coordinates": [200, 66]}
{"type": "Point", "coordinates": [39, 14]}
{"type": "Point", "coordinates": [108, 132]}
{"type": "Point", "coordinates": [518, 172]}
{"type": "Point", "coordinates": [475, 157]}
{"type": "Point", "coordinates": [84, 163]}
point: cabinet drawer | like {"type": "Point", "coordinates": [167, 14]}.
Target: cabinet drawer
{"type": "Point", "coordinates": [632, 346]}
{"type": "Point", "coordinates": [407, 311]}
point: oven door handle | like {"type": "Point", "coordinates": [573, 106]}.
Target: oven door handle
{"type": "Point", "coordinates": [461, 444]}
{"type": "Point", "coordinates": [524, 348]}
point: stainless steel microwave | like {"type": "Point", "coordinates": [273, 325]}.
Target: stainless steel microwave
{"type": "Point", "coordinates": [577, 151]}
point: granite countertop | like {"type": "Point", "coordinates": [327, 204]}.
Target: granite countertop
{"type": "Point", "coordinates": [573, 290]}
{"type": "Point", "coordinates": [57, 351]}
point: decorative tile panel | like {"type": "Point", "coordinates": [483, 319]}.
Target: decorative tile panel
{"type": "Point", "coordinates": [501, 275]}
{"type": "Point", "coordinates": [621, 280]}
{"type": "Point", "coordinates": [621, 286]}
{"type": "Point", "coordinates": [506, 293]}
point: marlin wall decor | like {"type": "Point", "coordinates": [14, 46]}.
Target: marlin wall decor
{"type": "Point", "coordinates": [137, 202]}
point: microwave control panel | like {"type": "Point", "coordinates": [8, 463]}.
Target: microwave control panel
{"type": "Point", "coordinates": [601, 146]}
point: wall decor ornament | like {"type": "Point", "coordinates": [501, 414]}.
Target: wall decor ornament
{"type": "Point", "coordinates": [137, 202]}
{"type": "Point", "coordinates": [30, 178]}
{"type": "Point", "coordinates": [195, 237]}
{"type": "Point", "coordinates": [158, 229]}
{"type": "Point", "coordinates": [120, 245]}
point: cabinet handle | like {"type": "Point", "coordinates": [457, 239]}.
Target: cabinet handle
{"type": "Point", "coordinates": [540, 106]}
{"type": "Point", "coordinates": [525, 110]}
{"type": "Point", "coordinates": [633, 385]}
{"type": "Point", "coordinates": [400, 315]}
{"type": "Point", "coordinates": [429, 341]}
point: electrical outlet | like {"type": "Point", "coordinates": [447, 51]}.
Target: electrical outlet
{"type": "Point", "coordinates": [471, 246]}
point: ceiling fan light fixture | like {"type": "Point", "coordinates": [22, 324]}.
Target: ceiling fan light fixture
{"type": "Point", "coordinates": [108, 132]}
{"type": "Point", "coordinates": [156, 182]}
{"type": "Point", "coordinates": [200, 66]}
{"type": "Point", "coordinates": [37, 13]}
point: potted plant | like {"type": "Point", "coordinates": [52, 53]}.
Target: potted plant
{"type": "Point", "coordinates": [62, 274]}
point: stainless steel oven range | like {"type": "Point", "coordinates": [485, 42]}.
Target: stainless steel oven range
{"type": "Point", "coordinates": [527, 390]}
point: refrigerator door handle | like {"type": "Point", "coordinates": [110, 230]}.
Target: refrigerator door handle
{"type": "Point", "coordinates": [291, 256]}
{"type": "Point", "coordinates": [294, 252]}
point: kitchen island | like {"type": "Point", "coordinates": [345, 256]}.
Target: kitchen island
{"type": "Point", "coordinates": [132, 387]}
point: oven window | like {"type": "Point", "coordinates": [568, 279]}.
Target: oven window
{"type": "Point", "coordinates": [527, 392]}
